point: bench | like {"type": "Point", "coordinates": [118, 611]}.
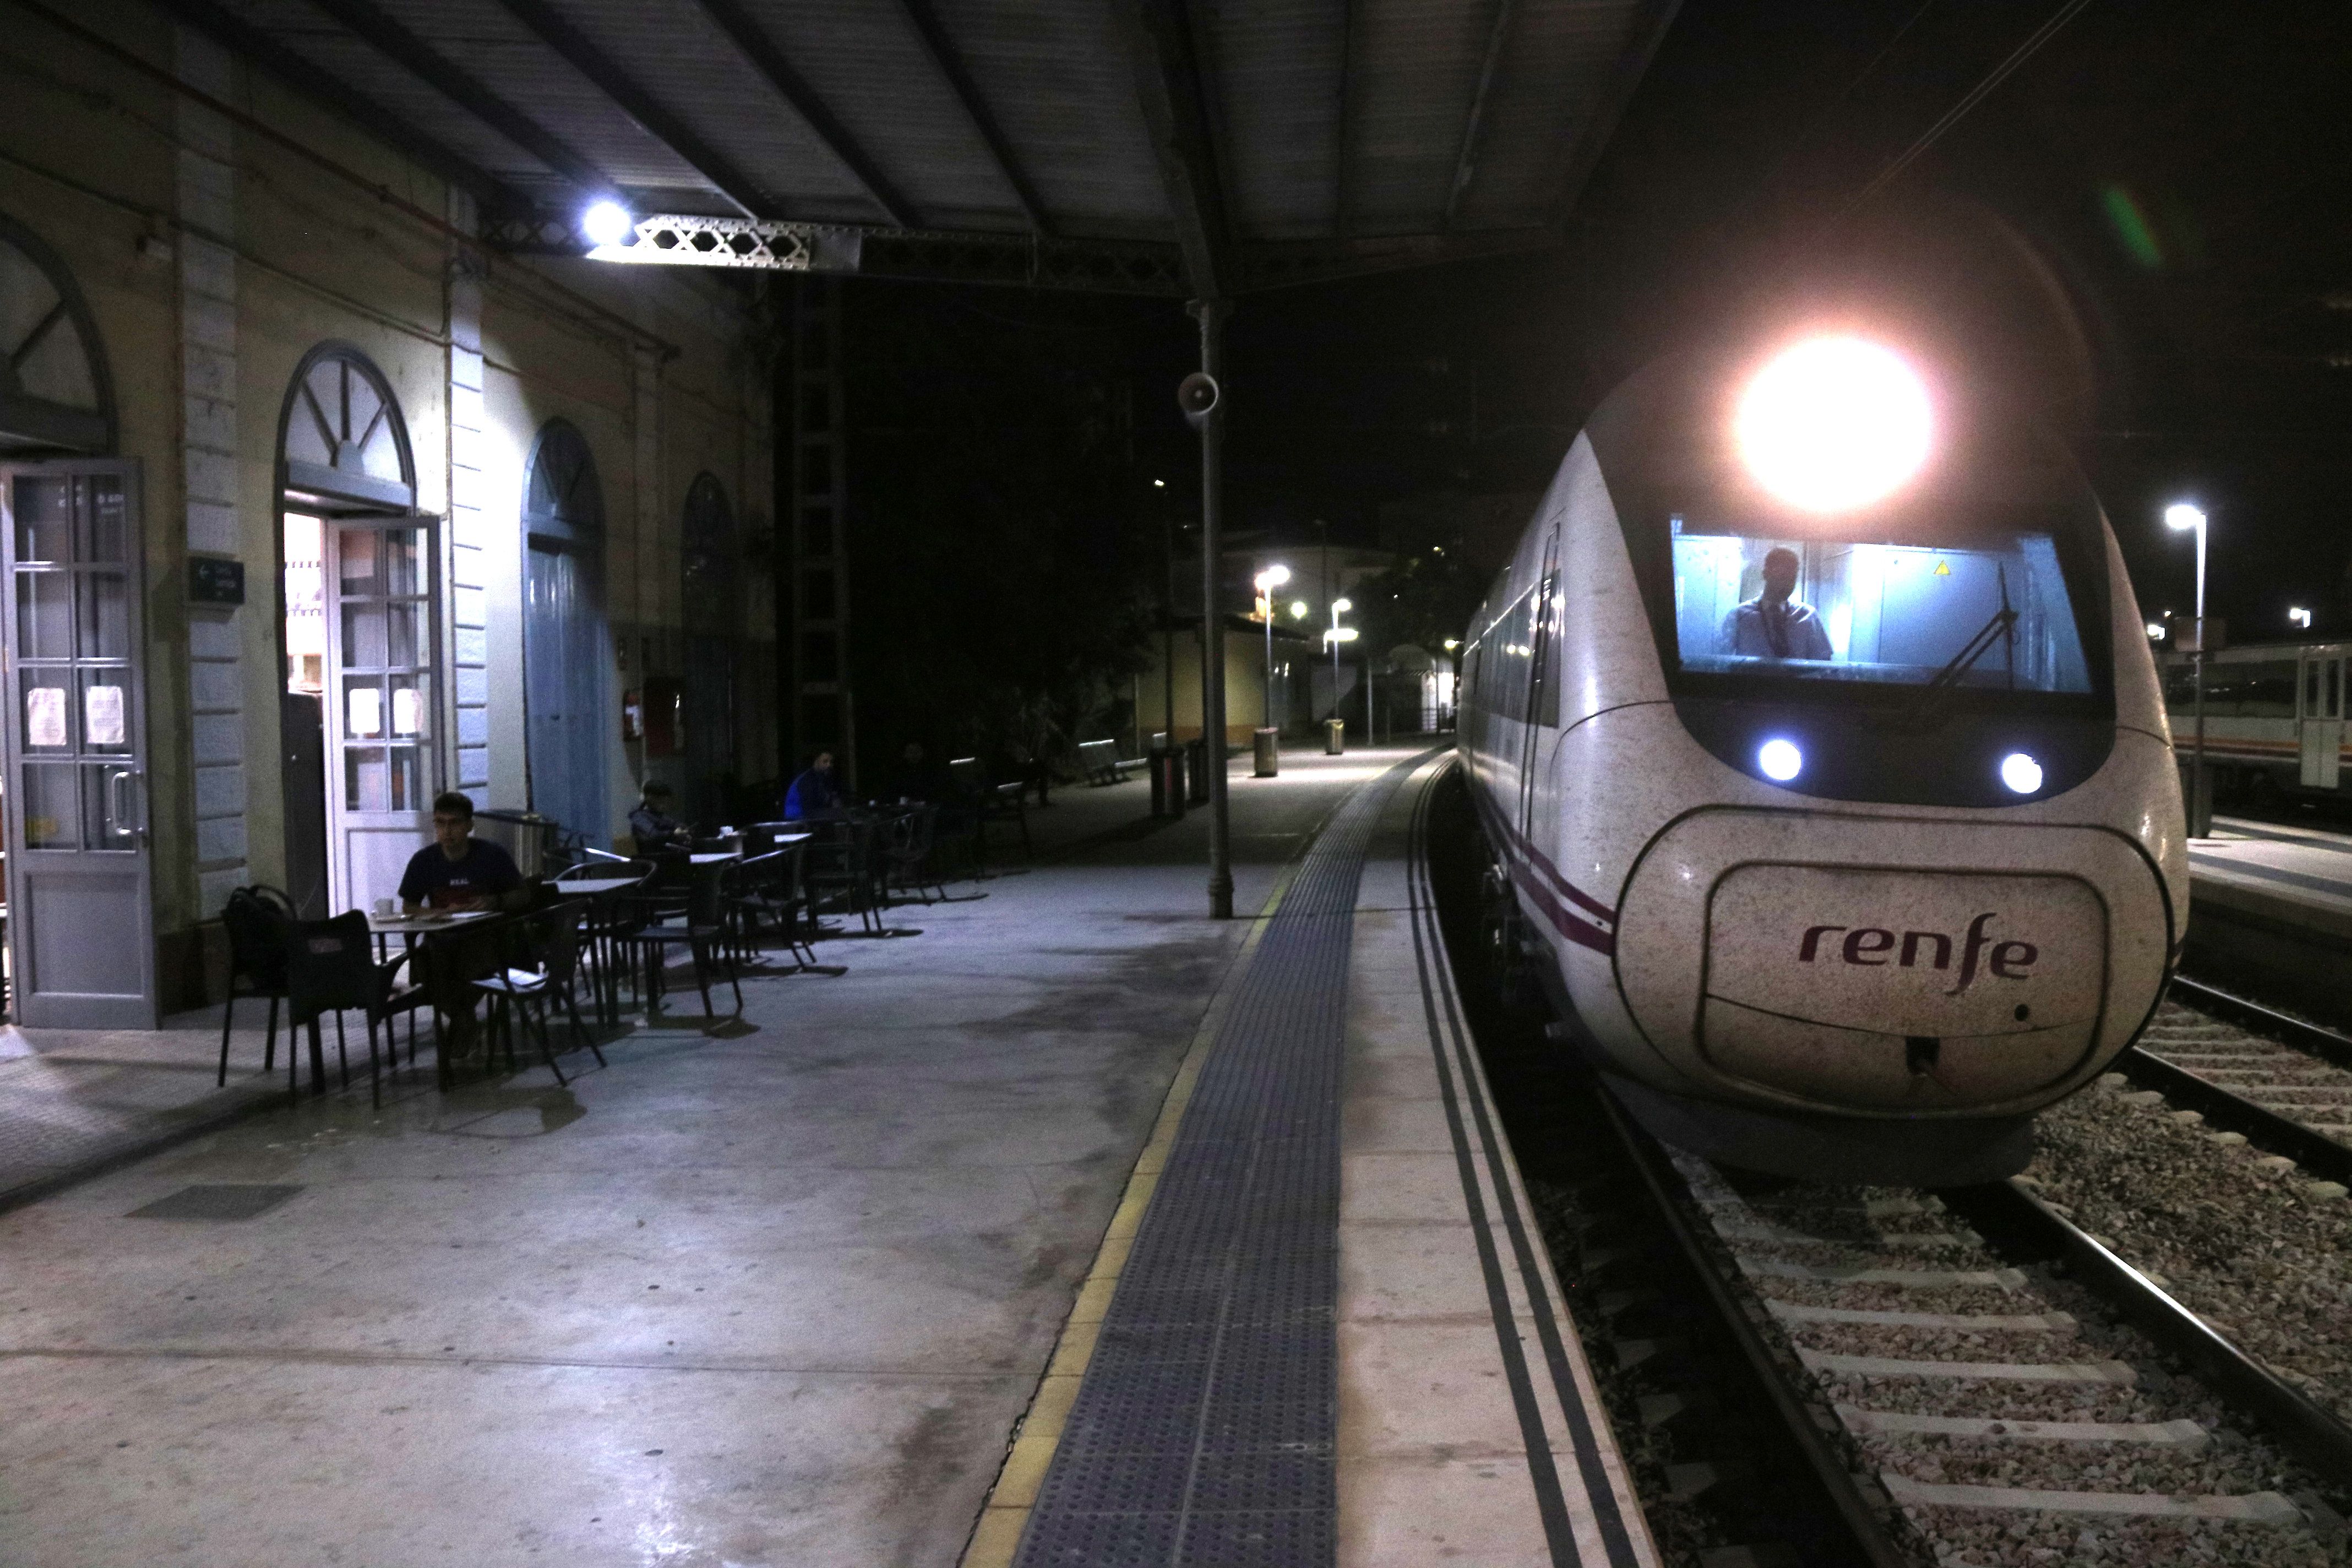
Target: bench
{"type": "Point", "coordinates": [1100, 762]}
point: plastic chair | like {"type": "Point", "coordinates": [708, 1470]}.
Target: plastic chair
{"type": "Point", "coordinates": [513, 990]}
{"type": "Point", "coordinates": [256, 963]}
{"type": "Point", "coordinates": [906, 845]}
{"type": "Point", "coordinates": [330, 967]}
{"type": "Point", "coordinates": [702, 932]}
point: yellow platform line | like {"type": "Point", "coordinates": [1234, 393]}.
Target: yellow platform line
{"type": "Point", "coordinates": [997, 1533]}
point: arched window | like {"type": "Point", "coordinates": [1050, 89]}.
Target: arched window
{"type": "Point", "coordinates": [55, 395]}
{"type": "Point", "coordinates": [343, 441]}
{"type": "Point", "coordinates": [563, 501]}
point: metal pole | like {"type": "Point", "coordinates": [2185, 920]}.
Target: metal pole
{"type": "Point", "coordinates": [2201, 823]}
{"type": "Point", "coordinates": [1265, 701]}
{"type": "Point", "coordinates": [1168, 622]}
{"type": "Point", "coordinates": [1212, 314]}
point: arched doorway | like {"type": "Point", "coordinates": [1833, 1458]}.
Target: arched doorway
{"type": "Point", "coordinates": [81, 945]}
{"type": "Point", "coordinates": [713, 589]}
{"type": "Point", "coordinates": [566, 714]}
{"type": "Point", "coordinates": [361, 755]}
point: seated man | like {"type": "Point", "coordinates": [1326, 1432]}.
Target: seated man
{"type": "Point", "coordinates": [651, 823]}
{"type": "Point", "coordinates": [1774, 624]}
{"type": "Point", "coordinates": [458, 870]}
{"type": "Point", "coordinates": [814, 793]}
{"type": "Point", "coordinates": [916, 779]}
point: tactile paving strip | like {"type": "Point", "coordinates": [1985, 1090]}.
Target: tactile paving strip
{"type": "Point", "coordinates": [1202, 1432]}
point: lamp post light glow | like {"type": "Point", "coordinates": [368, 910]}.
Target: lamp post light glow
{"type": "Point", "coordinates": [2155, 631]}
{"type": "Point", "coordinates": [1297, 609]}
{"type": "Point", "coordinates": [2299, 617]}
{"type": "Point", "coordinates": [2180, 517]}
{"type": "Point", "coordinates": [607, 224]}
{"type": "Point", "coordinates": [1267, 581]}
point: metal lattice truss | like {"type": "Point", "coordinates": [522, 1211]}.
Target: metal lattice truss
{"type": "Point", "coordinates": [1020, 260]}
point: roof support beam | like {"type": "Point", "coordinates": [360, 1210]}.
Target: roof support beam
{"type": "Point", "coordinates": [466, 90]}
{"type": "Point", "coordinates": [951, 65]}
{"type": "Point", "coordinates": [1343, 217]}
{"type": "Point", "coordinates": [769, 60]}
{"type": "Point", "coordinates": [240, 36]}
{"type": "Point", "coordinates": [1466, 163]}
{"type": "Point", "coordinates": [1176, 113]}
{"type": "Point", "coordinates": [640, 105]}
{"type": "Point", "coordinates": [1642, 41]}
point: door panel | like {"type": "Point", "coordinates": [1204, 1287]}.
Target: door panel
{"type": "Point", "coordinates": [563, 661]}
{"type": "Point", "coordinates": [2321, 730]}
{"type": "Point", "coordinates": [382, 756]}
{"type": "Point", "coordinates": [79, 872]}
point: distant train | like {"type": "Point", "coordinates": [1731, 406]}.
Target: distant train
{"type": "Point", "coordinates": [2273, 717]}
{"type": "Point", "coordinates": [1816, 739]}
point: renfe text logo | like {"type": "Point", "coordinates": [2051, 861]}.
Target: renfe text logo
{"type": "Point", "coordinates": [1865, 944]}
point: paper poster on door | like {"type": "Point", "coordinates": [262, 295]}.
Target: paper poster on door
{"type": "Point", "coordinates": [366, 711]}
{"type": "Point", "coordinates": [405, 711]}
{"type": "Point", "coordinates": [101, 715]}
{"type": "Point", "coordinates": [45, 716]}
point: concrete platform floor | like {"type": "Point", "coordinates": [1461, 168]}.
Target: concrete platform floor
{"type": "Point", "coordinates": [770, 1291]}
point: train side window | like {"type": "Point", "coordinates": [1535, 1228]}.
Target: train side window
{"type": "Point", "coordinates": [2335, 688]}
{"type": "Point", "coordinates": [2311, 691]}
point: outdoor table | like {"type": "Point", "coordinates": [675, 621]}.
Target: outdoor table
{"type": "Point", "coordinates": [713, 856]}
{"type": "Point", "coordinates": [427, 927]}
{"type": "Point", "coordinates": [605, 982]}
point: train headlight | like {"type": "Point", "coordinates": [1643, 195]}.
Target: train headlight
{"type": "Point", "coordinates": [2020, 772]}
{"type": "Point", "coordinates": [1779, 761]}
{"type": "Point", "coordinates": [1833, 424]}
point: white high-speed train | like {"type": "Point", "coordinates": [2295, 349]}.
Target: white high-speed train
{"type": "Point", "coordinates": [1814, 731]}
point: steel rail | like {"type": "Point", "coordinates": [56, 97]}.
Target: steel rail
{"type": "Point", "coordinates": [1855, 1516]}
{"type": "Point", "coordinates": [2327, 1044]}
{"type": "Point", "coordinates": [2232, 1113]}
{"type": "Point", "coordinates": [2009, 1214]}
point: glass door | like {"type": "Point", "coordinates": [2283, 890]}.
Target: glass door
{"type": "Point", "coordinates": [2322, 730]}
{"type": "Point", "coordinates": [81, 916]}
{"type": "Point", "coordinates": [383, 762]}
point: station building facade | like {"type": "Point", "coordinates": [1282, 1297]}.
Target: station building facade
{"type": "Point", "coordinates": [316, 506]}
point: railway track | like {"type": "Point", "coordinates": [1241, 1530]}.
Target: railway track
{"type": "Point", "coordinates": [1999, 1379]}
{"type": "Point", "coordinates": [2281, 1083]}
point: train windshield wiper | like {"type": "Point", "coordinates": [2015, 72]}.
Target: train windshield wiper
{"type": "Point", "coordinates": [1940, 686]}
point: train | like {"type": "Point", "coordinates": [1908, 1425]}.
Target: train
{"type": "Point", "coordinates": [1822, 764]}
{"type": "Point", "coordinates": [2273, 719]}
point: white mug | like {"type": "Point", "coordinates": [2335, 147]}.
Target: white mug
{"type": "Point", "coordinates": [384, 907]}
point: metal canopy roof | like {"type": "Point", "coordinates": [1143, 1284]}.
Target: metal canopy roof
{"type": "Point", "coordinates": [1149, 146]}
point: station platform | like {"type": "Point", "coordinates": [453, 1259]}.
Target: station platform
{"type": "Point", "coordinates": [790, 1287]}
{"type": "Point", "coordinates": [2270, 914]}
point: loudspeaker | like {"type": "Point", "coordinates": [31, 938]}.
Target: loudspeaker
{"type": "Point", "coordinates": [1198, 394]}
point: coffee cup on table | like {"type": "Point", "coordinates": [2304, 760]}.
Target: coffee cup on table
{"type": "Point", "coordinates": [385, 909]}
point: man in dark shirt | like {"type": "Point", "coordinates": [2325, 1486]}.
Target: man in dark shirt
{"type": "Point", "coordinates": [916, 779]}
{"type": "Point", "coordinates": [458, 870]}
{"type": "Point", "coordinates": [651, 823]}
{"type": "Point", "coordinates": [814, 793]}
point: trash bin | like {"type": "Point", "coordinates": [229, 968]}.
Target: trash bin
{"type": "Point", "coordinates": [1167, 781]}
{"type": "Point", "coordinates": [1268, 753]}
{"type": "Point", "coordinates": [1196, 764]}
{"type": "Point", "coordinates": [1335, 737]}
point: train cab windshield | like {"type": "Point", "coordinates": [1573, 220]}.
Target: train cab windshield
{"type": "Point", "coordinates": [1985, 609]}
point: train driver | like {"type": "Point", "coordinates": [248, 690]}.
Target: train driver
{"type": "Point", "coordinates": [1775, 623]}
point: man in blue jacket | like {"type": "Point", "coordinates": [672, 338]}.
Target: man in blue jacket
{"type": "Point", "coordinates": [814, 793]}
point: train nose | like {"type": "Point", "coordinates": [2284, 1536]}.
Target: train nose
{"type": "Point", "coordinates": [1901, 989]}
{"type": "Point", "coordinates": [1861, 963]}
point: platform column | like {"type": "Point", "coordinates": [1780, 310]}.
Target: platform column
{"type": "Point", "coordinates": [1211, 313]}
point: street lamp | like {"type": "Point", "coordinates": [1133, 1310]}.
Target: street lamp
{"type": "Point", "coordinates": [2180, 517]}
{"type": "Point", "coordinates": [1337, 635]}
{"type": "Point", "coordinates": [2300, 618]}
{"type": "Point", "coordinates": [1267, 581]}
